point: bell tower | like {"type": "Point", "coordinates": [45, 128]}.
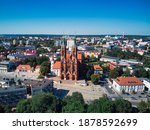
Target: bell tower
{"type": "Point", "coordinates": [63, 52]}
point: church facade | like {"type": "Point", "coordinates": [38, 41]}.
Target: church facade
{"type": "Point", "coordinates": [70, 63]}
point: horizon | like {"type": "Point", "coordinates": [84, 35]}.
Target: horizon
{"type": "Point", "coordinates": [147, 35]}
{"type": "Point", "coordinates": [75, 17]}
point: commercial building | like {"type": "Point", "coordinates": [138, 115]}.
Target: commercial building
{"type": "Point", "coordinates": [147, 83]}
{"type": "Point", "coordinates": [36, 86]}
{"type": "Point", "coordinates": [6, 66]}
{"type": "Point", "coordinates": [11, 95]}
{"type": "Point", "coordinates": [128, 85]}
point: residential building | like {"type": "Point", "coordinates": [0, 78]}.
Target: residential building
{"type": "Point", "coordinates": [128, 85]}
{"type": "Point", "coordinates": [109, 59]}
{"type": "Point", "coordinates": [24, 68]}
{"type": "Point", "coordinates": [98, 69]}
{"type": "Point", "coordinates": [90, 54]}
{"type": "Point", "coordinates": [55, 70]}
{"type": "Point", "coordinates": [59, 42]}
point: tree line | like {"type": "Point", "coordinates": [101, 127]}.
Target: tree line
{"type": "Point", "coordinates": [48, 103]}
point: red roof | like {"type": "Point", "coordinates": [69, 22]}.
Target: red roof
{"type": "Point", "coordinates": [57, 65]}
{"type": "Point", "coordinates": [79, 56]}
{"type": "Point", "coordinates": [128, 81]}
{"type": "Point", "coordinates": [31, 53]}
{"type": "Point", "coordinates": [24, 67]}
{"type": "Point", "coordinates": [97, 67]}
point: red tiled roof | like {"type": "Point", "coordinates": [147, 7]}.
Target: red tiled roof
{"type": "Point", "coordinates": [97, 67]}
{"type": "Point", "coordinates": [128, 81]}
{"type": "Point", "coordinates": [24, 67]}
{"type": "Point", "coordinates": [79, 56]}
{"type": "Point", "coordinates": [57, 65]}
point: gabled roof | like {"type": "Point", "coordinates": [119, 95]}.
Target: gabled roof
{"type": "Point", "coordinates": [128, 81]}
{"type": "Point", "coordinates": [57, 65]}
{"type": "Point", "coordinates": [97, 67]}
{"type": "Point", "coordinates": [24, 67]}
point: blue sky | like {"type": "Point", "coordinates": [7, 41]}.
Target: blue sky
{"type": "Point", "coordinates": [75, 17]}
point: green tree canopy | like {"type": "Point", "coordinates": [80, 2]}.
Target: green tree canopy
{"type": "Point", "coordinates": [122, 106]}
{"type": "Point", "coordinates": [101, 105]}
{"type": "Point", "coordinates": [45, 68]}
{"type": "Point", "coordinates": [126, 73]}
{"type": "Point", "coordinates": [144, 107]}
{"type": "Point", "coordinates": [95, 78]}
{"type": "Point", "coordinates": [74, 103]}
{"type": "Point", "coordinates": [24, 106]}
{"type": "Point", "coordinates": [40, 103]}
{"type": "Point", "coordinates": [1, 109]}
{"type": "Point", "coordinates": [115, 73]}
{"type": "Point", "coordinates": [44, 102]}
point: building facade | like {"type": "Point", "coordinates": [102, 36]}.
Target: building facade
{"type": "Point", "coordinates": [128, 85]}
{"type": "Point", "coordinates": [12, 95]}
{"type": "Point", "coordinates": [70, 63]}
{"type": "Point", "coordinates": [24, 68]}
{"type": "Point", "coordinates": [37, 86]}
{"type": "Point", "coordinates": [147, 83]}
{"type": "Point", "coordinates": [98, 69]}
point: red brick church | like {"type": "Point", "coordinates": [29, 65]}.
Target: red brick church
{"type": "Point", "coordinates": [70, 63]}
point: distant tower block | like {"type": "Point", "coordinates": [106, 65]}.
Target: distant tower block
{"type": "Point", "coordinates": [70, 43]}
{"type": "Point", "coordinates": [14, 42]}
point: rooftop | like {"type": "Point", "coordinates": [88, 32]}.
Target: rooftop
{"type": "Point", "coordinates": [38, 83]}
{"type": "Point", "coordinates": [97, 67]}
{"type": "Point", "coordinates": [57, 65]}
{"type": "Point", "coordinates": [24, 67]}
{"type": "Point", "coordinates": [128, 81]}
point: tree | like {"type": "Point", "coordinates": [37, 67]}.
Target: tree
{"type": "Point", "coordinates": [95, 78]}
{"type": "Point", "coordinates": [122, 106]}
{"type": "Point", "coordinates": [1, 109]}
{"type": "Point", "coordinates": [40, 103]}
{"type": "Point", "coordinates": [74, 103]}
{"type": "Point", "coordinates": [88, 74]}
{"type": "Point", "coordinates": [114, 73]}
{"type": "Point", "coordinates": [24, 106]}
{"type": "Point", "coordinates": [126, 73]}
{"type": "Point", "coordinates": [45, 68]}
{"type": "Point", "coordinates": [8, 108]}
{"type": "Point", "coordinates": [40, 60]}
{"type": "Point", "coordinates": [101, 105]}
{"type": "Point", "coordinates": [144, 107]}
{"type": "Point", "coordinates": [44, 102]}
{"type": "Point", "coordinates": [141, 72]}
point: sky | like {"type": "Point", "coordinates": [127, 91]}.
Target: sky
{"type": "Point", "coordinates": [76, 17]}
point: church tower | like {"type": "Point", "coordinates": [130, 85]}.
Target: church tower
{"type": "Point", "coordinates": [69, 63]}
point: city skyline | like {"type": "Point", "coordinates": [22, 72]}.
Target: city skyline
{"type": "Point", "coordinates": [92, 17]}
